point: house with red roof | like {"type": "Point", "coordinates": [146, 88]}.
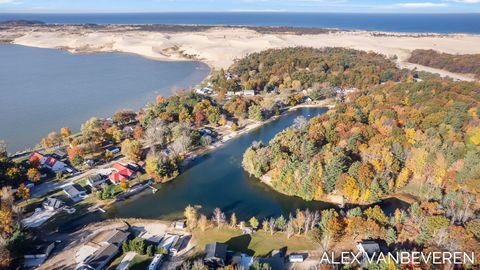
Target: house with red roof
{"type": "Point", "coordinates": [121, 172]}
{"type": "Point", "coordinates": [37, 157]}
{"type": "Point", "coordinates": [48, 162]}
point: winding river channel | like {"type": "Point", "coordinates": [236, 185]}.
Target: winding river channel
{"type": "Point", "coordinates": [217, 179]}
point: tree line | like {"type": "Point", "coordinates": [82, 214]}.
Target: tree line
{"type": "Point", "coordinates": [459, 63]}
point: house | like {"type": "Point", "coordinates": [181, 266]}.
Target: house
{"type": "Point", "coordinates": [75, 192]}
{"type": "Point", "coordinates": [52, 204]}
{"type": "Point", "coordinates": [37, 157]}
{"type": "Point", "coordinates": [96, 181]}
{"type": "Point", "coordinates": [109, 248]}
{"type": "Point", "coordinates": [121, 172]}
{"type": "Point", "coordinates": [179, 245]}
{"type": "Point", "coordinates": [371, 248]}
{"type": "Point", "coordinates": [215, 255]}
{"type": "Point", "coordinates": [276, 261]}
{"type": "Point", "coordinates": [180, 225]}
{"type": "Point", "coordinates": [156, 262]}
{"type": "Point", "coordinates": [48, 162]}
{"type": "Point", "coordinates": [55, 165]}
{"type": "Point", "coordinates": [37, 254]}
{"type": "Point", "coordinates": [115, 178]}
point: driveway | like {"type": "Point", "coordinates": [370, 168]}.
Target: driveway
{"type": "Point", "coordinates": [126, 260]}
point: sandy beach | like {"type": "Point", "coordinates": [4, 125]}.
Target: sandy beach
{"type": "Point", "coordinates": [220, 46]}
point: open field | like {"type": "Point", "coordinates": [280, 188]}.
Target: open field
{"type": "Point", "coordinates": [259, 243]}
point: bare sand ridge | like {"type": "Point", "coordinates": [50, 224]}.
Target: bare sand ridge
{"type": "Point", "coordinates": [219, 46]}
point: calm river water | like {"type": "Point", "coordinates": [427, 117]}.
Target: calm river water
{"type": "Point", "coordinates": [42, 90]}
{"type": "Point", "coordinates": [218, 180]}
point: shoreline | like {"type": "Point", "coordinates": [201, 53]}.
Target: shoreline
{"type": "Point", "coordinates": [105, 205]}
{"type": "Point", "coordinates": [219, 46]}
{"type": "Point", "coordinates": [340, 201]}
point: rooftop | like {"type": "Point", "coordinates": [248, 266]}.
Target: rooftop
{"type": "Point", "coordinates": [216, 250]}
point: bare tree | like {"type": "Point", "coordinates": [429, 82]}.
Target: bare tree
{"type": "Point", "coordinates": [308, 220]}
{"type": "Point", "coordinates": [157, 133]}
{"type": "Point", "coordinates": [271, 225]}
{"type": "Point", "coordinates": [181, 145]}
{"type": "Point", "coordinates": [3, 147]}
{"type": "Point", "coordinates": [218, 217]}
{"type": "Point", "coordinates": [290, 230]}
{"type": "Point", "coordinates": [300, 122]}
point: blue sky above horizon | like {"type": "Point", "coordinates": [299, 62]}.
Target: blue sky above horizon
{"type": "Point", "coordinates": [368, 6]}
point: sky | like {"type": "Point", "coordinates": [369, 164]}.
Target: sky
{"type": "Point", "coordinates": [367, 6]}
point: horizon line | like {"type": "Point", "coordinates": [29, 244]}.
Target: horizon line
{"type": "Point", "coordinates": [233, 11]}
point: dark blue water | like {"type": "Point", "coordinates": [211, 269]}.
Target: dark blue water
{"type": "Point", "coordinates": [437, 23]}
{"type": "Point", "coordinates": [42, 90]}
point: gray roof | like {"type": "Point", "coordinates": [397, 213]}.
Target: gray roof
{"type": "Point", "coordinates": [117, 237]}
{"type": "Point", "coordinates": [216, 250]}
{"type": "Point", "coordinates": [371, 247]}
{"type": "Point", "coordinates": [102, 256]}
{"type": "Point", "coordinates": [96, 179]}
{"type": "Point", "coordinates": [276, 261]}
{"type": "Point", "coordinates": [74, 190]}
{"type": "Point", "coordinates": [52, 202]}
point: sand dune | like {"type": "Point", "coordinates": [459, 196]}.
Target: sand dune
{"type": "Point", "coordinates": [219, 46]}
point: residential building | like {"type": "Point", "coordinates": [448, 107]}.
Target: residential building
{"type": "Point", "coordinates": [121, 172]}
{"type": "Point", "coordinates": [215, 255]}
{"type": "Point", "coordinates": [48, 162]}
{"type": "Point", "coordinates": [371, 248]}
{"type": "Point", "coordinates": [75, 192]}
{"type": "Point", "coordinates": [96, 181]}
{"type": "Point", "coordinates": [55, 165]}
{"type": "Point", "coordinates": [52, 204]}
{"type": "Point", "coordinates": [109, 248]}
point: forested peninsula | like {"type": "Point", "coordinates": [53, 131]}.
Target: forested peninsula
{"type": "Point", "coordinates": [394, 134]}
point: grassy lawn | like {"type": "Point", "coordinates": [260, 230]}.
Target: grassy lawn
{"type": "Point", "coordinates": [259, 244]}
{"type": "Point", "coordinates": [140, 262]}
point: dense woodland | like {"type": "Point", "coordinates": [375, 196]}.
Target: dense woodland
{"type": "Point", "coordinates": [306, 67]}
{"type": "Point", "coordinates": [465, 63]}
{"type": "Point", "coordinates": [421, 138]}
